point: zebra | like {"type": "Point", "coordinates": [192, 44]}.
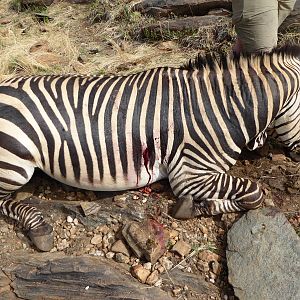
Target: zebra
{"type": "Point", "coordinates": [111, 133]}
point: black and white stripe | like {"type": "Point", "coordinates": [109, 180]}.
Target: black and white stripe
{"type": "Point", "coordinates": [122, 132]}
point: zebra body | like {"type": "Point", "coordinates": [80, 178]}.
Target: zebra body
{"type": "Point", "coordinates": [122, 132]}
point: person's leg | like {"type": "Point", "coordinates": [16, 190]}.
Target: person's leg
{"type": "Point", "coordinates": [285, 7]}
{"type": "Point", "coordinates": [256, 24]}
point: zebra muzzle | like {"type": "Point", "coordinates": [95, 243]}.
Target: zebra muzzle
{"type": "Point", "coordinates": [42, 237]}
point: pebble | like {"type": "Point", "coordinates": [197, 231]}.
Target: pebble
{"type": "Point", "coordinates": [69, 219]}
{"type": "Point", "coordinates": [174, 225]}
{"type": "Point", "coordinates": [216, 267]}
{"type": "Point", "coordinates": [148, 266]}
{"type": "Point", "coordinates": [110, 255]}
{"type": "Point", "coordinates": [96, 239]}
{"type": "Point", "coordinates": [203, 229]}
{"type": "Point", "coordinates": [121, 258]}
{"type": "Point", "coordinates": [99, 253]}
{"type": "Point", "coordinates": [174, 233]}
{"type": "Point", "coordinates": [182, 248]}
{"type": "Point", "coordinates": [176, 291]}
{"type": "Point", "coordinates": [152, 278]}
{"type": "Point", "coordinates": [166, 263]}
{"type": "Point", "coordinates": [119, 246]}
{"type": "Point", "coordinates": [103, 228]}
{"type": "Point", "coordinates": [208, 256]}
{"type": "Point", "coordinates": [140, 273]}
{"type": "Point", "coordinates": [75, 221]}
{"type": "Point", "coordinates": [158, 283]}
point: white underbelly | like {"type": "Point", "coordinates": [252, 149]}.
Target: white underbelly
{"type": "Point", "coordinates": [108, 183]}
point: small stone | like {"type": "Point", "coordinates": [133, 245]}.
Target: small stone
{"type": "Point", "coordinates": [140, 273]}
{"type": "Point", "coordinates": [99, 253]}
{"type": "Point", "coordinates": [174, 233]}
{"type": "Point", "coordinates": [135, 197]}
{"type": "Point", "coordinates": [216, 267]}
{"type": "Point", "coordinates": [158, 283]}
{"type": "Point", "coordinates": [166, 263]}
{"type": "Point", "coordinates": [182, 248]}
{"type": "Point", "coordinates": [103, 228]}
{"type": "Point", "coordinates": [152, 278]}
{"type": "Point", "coordinates": [208, 256]}
{"type": "Point", "coordinates": [69, 219]}
{"type": "Point", "coordinates": [120, 247]}
{"type": "Point", "coordinates": [110, 255]}
{"type": "Point", "coordinates": [96, 239]}
{"type": "Point", "coordinates": [148, 266]}
{"type": "Point", "coordinates": [203, 229]}
{"type": "Point", "coordinates": [160, 269]}
{"type": "Point", "coordinates": [121, 258]}
{"type": "Point", "coordinates": [75, 221]}
{"type": "Point", "coordinates": [119, 198]}
{"type": "Point", "coordinates": [277, 157]}
{"type": "Point", "coordinates": [176, 291]}
{"type": "Point", "coordinates": [174, 225]}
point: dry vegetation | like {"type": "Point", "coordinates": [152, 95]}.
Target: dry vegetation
{"type": "Point", "coordinates": [99, 38]}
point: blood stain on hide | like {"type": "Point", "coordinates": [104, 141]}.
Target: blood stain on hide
{"type": "Point", "coordinates": [146, 161]}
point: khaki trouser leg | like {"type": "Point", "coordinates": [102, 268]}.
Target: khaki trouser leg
{"type": "Point", "coordinates": [257, 22]}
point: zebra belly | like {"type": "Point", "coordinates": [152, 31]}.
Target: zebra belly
{"type": "Point", "coordinates": [108, 183]}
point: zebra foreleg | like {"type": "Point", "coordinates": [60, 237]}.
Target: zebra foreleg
{"type": "Point", "coordinates": [220, 193]}
{"type": "Point", "coordinates": [32, 220]}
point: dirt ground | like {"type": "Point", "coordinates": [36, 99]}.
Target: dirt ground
{"type": "Point", "coordinates": [64, 39]}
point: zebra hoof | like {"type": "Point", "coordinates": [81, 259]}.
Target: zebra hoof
{"type": "Point", "coordinates": [42, 237]}
{"type": "Point", "coordinates": [184, 208]}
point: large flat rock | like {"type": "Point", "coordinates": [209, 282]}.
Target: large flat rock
{"type": "Point", "coordinates": [180, 7]}
{"type": "Point", "coordinates": [166, 29]}
{"type": "Point", "coordinates": [263, 256]}
{"type": "Point", "coordinates": [53, 276]}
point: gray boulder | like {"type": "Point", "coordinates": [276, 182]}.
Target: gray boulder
{"type": "Point", "coordinates": [263, 256]}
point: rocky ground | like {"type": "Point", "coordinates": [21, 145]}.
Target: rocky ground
{"type": "Point", "coordinates": [133, 233]}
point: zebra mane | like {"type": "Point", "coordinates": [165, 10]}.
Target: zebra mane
{"type": "Point", "coordinates": [222, 60]}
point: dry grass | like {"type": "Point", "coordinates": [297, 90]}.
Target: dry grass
{"type": "Point", "coordinates": [70, 43]}
{"type": "Point", "coordinates": [100, 38]}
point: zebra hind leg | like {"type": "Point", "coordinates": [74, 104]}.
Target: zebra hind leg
{"type": "Point", "coordinates": [223, 194]}
{"type": "Point", "coordinates": [31, 219]}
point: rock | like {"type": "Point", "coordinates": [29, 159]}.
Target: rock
{"type": "Point", "coordinates": [192, 282]}
{"type": "Point", "coordinates": [185, 26]}
{"type": "Point", "coordinates": [90, 208]}
{"type": "Point", "coordinates": [96, 239]}
{"type": "Point", "coordinates": [152, 278]}
{"type": "Point", "coordinates": [69, 219]}
{"type": "Point", "coordinates": [163, 8]}
{"type": "Point", "coordinates": [208, 256]}
{"type": "Point", "coordinates": [36, 2]}
{"type": "Point", "coordinates": [147, 266]}
{"type": "Point", "coordinates": [4, 280]}
{"type": "Point", "coordinates": [182, 248]}
{"type": "Point", "coordinates": [109, 255]}
{"type": "Point", "coordinates": [146, 240]}
{"type": "Point", "coordinates": [166, 263]}
{"type": "Point", "coordinates": [54, 276]}
{"type": "Point", "coordinates": [120, 247]}
{"type": "Point", "coordinates": [121, 258]}
{"type": "Point", "coordinates": [21, 195]}
{"type": "Point", "coordinates": [263, 256]}
{"type": "Point", "coordinates": [140, 273]}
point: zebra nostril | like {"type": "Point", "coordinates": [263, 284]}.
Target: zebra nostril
{"type": "Point", "coordinates": [42, 237]}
